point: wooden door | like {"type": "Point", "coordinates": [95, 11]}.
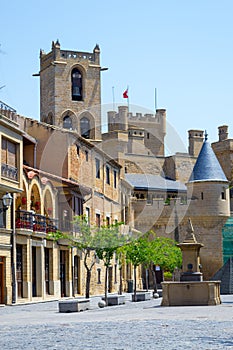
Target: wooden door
{"type": "Point", "coordinates": [110, 279]}
{"type": "Point", "coordinates": [2, 284]}
{"type": "Point", "coordinates": [76, 274]}
{"type": "Point", "coordinates": [34, 289]}
{"type": "Point", "coordinates": [63, 272]}
{"type": "Point", "coordinates": [47, 270]}
{"type": "Point", "coordinates": [19, 270]}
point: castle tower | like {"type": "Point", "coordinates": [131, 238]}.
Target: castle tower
{"type": "Point", "coordinates": [209, 208]}
{"type": "Point", "coordinates": [152, 129]}
{"type": "Point", "coordinates": [70, 94]}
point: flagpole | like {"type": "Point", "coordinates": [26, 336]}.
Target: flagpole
{"type": "Point", "coordinates": [126, 95]}
{"type": "Point", "coordinates": [113, 99]}
{"type": "Point", "coordinates": [155, 99]}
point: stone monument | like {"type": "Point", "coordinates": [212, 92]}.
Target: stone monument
{"type": "Point", "coordinates": [191, 289]}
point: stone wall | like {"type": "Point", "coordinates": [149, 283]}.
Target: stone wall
{"type": "Point", "coordinates": [224, 153]}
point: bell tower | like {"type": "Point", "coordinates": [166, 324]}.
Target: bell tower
{"type": "Point", "coordinates": [70, 92]}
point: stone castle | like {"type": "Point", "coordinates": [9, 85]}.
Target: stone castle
{"type": "Point", "coordinates": [70, 167]}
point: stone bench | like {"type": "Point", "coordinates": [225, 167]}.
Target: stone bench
{"type": "Point", "coordinates": [115, 300]}
{"type": "Point", "coordinates": [142, 296]}
{"type": "Point", "coordinates": [74, 305]}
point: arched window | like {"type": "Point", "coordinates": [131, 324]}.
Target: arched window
{"type": "Point", "coordinates": [76, 78]}
{"type": "Point", "coordinates": [67, 123]}
{"type": "Point", "coordinates": [85, 127]}
{"type": "Point", "coordinates": [50, 119]}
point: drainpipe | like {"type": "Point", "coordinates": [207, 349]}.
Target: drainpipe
{"type": "Point", "coordinates": [72, 263]}
{"type": "Point", "coordinates": [13, 251]}
{"type": "Point", "coordinates": [34, 160]}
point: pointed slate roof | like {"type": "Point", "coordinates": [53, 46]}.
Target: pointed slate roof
{"type": "Point", "coordinates": [207, 166]}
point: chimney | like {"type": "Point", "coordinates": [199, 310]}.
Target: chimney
{"type": "Point", "coordinates": [223, 132]}
{"type": "Point", "coordinates": [195, 142]}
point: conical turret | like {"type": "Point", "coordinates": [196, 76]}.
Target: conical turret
{"type": "Point", "coordinates": [208, 185]}
{"type": "Point", "coordinates": [207, 166]}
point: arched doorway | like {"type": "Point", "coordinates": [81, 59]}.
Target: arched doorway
{"type": "Point", "coordinates": [76, 274]}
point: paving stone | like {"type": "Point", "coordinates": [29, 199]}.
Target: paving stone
{"type": "Point", "coordinates": [144, 325]}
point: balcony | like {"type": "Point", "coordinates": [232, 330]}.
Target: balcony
{"type": "Point", "coordinates": [8, 111]}
{"type": "Point", "coordinates": [27, 220]}
{"type": "Point", "coordinates": [10, 172]}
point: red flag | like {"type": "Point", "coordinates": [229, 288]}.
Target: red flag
{"type": "Point", "coordinates": [125, 94]}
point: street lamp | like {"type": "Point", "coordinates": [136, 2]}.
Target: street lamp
{"type": "Point", "coordinates": [7, 201]}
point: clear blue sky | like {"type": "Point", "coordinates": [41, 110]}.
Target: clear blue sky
{"type": "Point", "coordinates": [184, 48]}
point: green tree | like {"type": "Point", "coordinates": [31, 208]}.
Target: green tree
{"type": "Point", "coordinates": [151, 250]}
{"type": "Point", "coordinates": [84, 240]}
{"type": "Point", "coordinates": [163, 252]}
{"type": "Point", "coordinates": [108, 240]}
{"type": "Point", "coordinates": [95, 241]}
{"type": "Point", "coordinates": [136, 252]}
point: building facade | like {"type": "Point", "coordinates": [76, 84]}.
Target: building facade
{"type": "Point", "coordinates": [63, 166]}
{"type": "Point", "coordinates": [11, 181]}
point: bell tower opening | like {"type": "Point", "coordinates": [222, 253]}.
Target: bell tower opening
{"type": "Point", "coordinates": [76, 82]}
{"type": "Point", "coordinates": [85, 127]}
{"type": "Point", "coordinates": [67, 122]}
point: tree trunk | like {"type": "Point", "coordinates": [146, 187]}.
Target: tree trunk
{"type": "Point", "coordinates": [88, 283]}
{"type": "Point", "coordinates": [154, 280]}
{"type": "Point", "coordinates": [120, 286]}
{"type": "Point", "coordinates": [88, 269]}
{"type": "Point", "coordinates": [147, 284]}
{"type": "Point", "coordinates": [106, 286]}
{"type": "Point", "coordinates": [135, 284]}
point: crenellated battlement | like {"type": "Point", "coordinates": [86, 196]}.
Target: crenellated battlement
{"type": "Point", "coordinates": [151, 134]}
{"type": "Point", "coordinates": [121, 119]}
{"type": "Point", "coordinates": [56, 54]}
{"type": "Point", "coordinates": [148, 117]}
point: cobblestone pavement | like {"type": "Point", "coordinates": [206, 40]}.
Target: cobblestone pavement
{"type": "Point", "coordinates": [133, 326]}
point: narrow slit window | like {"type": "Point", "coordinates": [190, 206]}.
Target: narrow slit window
{"type": "Point", "coordinates": [107, 175]}
{"type": "Point", "coordinates": [99, 276]}
{"type": "Point", "coordinates": [97, 168]}
{"type": "Point", "coordinates": [97, 219]}
{"type": "Point", "coordinates": [115, 178]}
{"type": "Point", "coordinates": [86, 156]}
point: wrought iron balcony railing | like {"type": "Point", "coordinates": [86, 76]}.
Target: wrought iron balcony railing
{"type": "Point", "coordinates": [35, 222]}
{"type": "Point", "coordinates": [10, 172]}
{"type": "Point", "coordinates": [8, 111]}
